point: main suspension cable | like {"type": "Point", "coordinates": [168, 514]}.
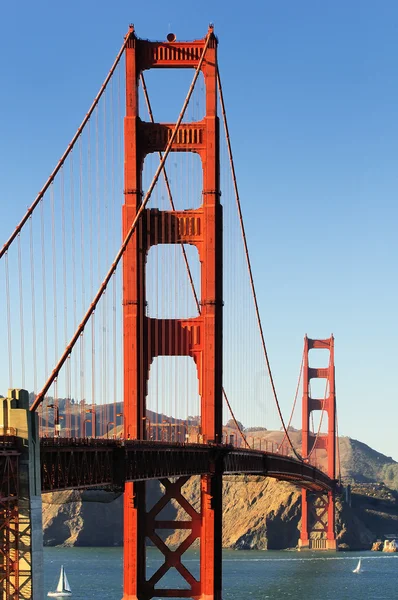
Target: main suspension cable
{"type": "Point", "coordinates": [295, 400]}
{"type": "Point", "coordinates": [184, 254]}
{"type": "Point", "coordinates": [228, 140]}
{"type": "Point", "coordinates": [69, 148]}
{"type": "Point", "coordinates": [39, 398]}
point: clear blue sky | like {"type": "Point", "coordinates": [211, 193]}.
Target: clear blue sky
{"type": "Point", "coordinates": [312, 97]}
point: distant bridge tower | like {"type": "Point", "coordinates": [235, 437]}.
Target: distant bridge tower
{"type": "Point", "coordinates": [145, 337]}
{"type": "Point", "coordinates": [318, 510]}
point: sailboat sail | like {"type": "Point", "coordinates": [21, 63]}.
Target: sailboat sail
{"type": "Point", "coordinates": [60, 586]}
{"type": "Point", "coordinates": [63, 588]}
{"type": "Point", "coordinates": [66, 583]}
{"type": "Point", "coordinates": [358, 567]}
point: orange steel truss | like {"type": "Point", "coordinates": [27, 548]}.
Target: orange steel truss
{"type": "Point", "coordinates": [9, 523]}
{"type": "Point", "coordinates": [200, 337]}
{"type": "Point", "coordinates": [318, 510]}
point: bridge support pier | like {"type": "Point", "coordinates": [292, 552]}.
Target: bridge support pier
{"type": "Point", "coordinates": [317, 521]}
{"type": "Point", "coordinates": [203, 523]}
{"type": "Point", "coordinates": [199, 337]}
{"type": "Point", "coordinates": [318, 510]}
{"type": "Point", "coordinates": [21, 567]}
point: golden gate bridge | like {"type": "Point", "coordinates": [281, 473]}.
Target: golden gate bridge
{"type": "Point", "coordinates": [145, 358]}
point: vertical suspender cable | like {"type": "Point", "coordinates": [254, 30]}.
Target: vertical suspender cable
{"type": "Point", "coordinates": [82, 272]}
{"type": "Point", "coordinates": [318, 433]}
{"type": "Point", "coordinates": [44, 287]}
{"type": "Point", "coordinates": [33, 313]}
{"type": "Point", "coordinates": [69, 148]}
{"type": "Point", "coordinates": [82, 369]}
{"type": "Point", "coordinates": [75, 382]}
{"type": "Point", "coordinates": [8, 321]}
{"type": "Point", "coordinates": [295, 400]}
{"type": "Point", "coordinates": [249, 264]}
{"type": "Point", "coordinates": [93, 388]}
{"type": "Point", "coordinates": [65, 302]}
{"type": "Point", "coordinates": [105, 182]}
{"type": "Point", "coordinates": [68, 417]}
{"type": "Point", "coordinates": [338, 448]}
{"type": "Point", "coordinates": [90, 208]}
{"type": "Point", "coordinates": [82, 238]}
{"type": "Point", "coordinates": [95, 399]}
{"type": "Point", "coordinates": [113, 227]}
{"type": "Point", "coordinates": [126, 240]}
{"type": "Point", "coordinates": [163, 279]}
{"type": "Point", "coordinates": [98, 192]}
{"type": "Point", "coordinates": [191, 281]}
{"type": "Point", "coordinates": [55, 407]}
{"type": "Point", "coordinates": [114, 354]}
{"type": "Point", "coordinates": [64, 257]}
{"type": "Point", "coordinates": [73, 236]}
{"type": "Point", "coordinates": [105, 417]}
{"type": "Point", "coordinates": [54, 273]}
{"type": "Point", "coordinates": [170, 196]}
{"type": "Point", "coordinates": [21, 324]}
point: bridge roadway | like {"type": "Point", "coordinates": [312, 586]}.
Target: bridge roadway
{"type": "Point", "coordinates": [87, 463]}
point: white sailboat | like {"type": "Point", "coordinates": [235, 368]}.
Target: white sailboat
{"type": "Point", "coordinates": [358, 567]}
{"type": "Point", "coordinates": [63, 588]}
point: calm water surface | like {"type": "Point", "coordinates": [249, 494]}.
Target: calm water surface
{"type": "Point", "coordinates": [96, 574]}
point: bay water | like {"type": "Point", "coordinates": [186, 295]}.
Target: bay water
{"type": "Point", "coordinates": [97, 573]}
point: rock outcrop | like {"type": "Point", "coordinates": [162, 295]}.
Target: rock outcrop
{"type": "Point", "coordinates": [377, 547]}
{"type": "Point", "coordinates": [390, 546]}
{"type": "Point", "coordinates": [258, 513]}
{"type": "Point", "coordinates": [82, 519]}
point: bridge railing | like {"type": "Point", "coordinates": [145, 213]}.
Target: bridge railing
{"type": "Point", "coordinates": [254, 444]}
{"type": "Point", "coordinates": [83, 463]}
{"type": "Point", "coordinates": [8, 437]}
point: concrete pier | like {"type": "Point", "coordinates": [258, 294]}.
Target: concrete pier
{"type": "Point", "coordinates": [21, 534]}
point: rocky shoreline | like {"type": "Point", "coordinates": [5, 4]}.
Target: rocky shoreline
{"type": "Point", "coordinates": [258, 513]}
{"type": "Point", "coordinates": [386, 546]}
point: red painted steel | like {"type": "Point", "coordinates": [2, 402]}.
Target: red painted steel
{"type": "Point", "coordinates": [200, 337]}
{"type": "Point", "coordinates": [73, 463]}
{"type": "Point", "coordinates": [318, 510]}
{"type": "Point", "coordinates": [9, 521]}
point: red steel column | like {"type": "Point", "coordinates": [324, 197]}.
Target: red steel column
{"type": "Point", "coordinates": [133, 334]}
{"type": "Point", "coordinates": [200, 337]}
{"type": "Point", "coordinates": [305, 416]}
{"type": "Point", "coordinates": [211, 376]}
{"type": "Point", "coordinates": [323, 441]}
{"type": "Point", "coordinates": [331, 532]}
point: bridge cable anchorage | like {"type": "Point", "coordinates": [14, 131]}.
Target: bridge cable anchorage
{"type": "Point", "coordinates": [185, 258]}
{"type": "Point", "coordinates": [235, 184]}
{"type": "Point", "coordinates": [39, 398]}
{"type": "Point", "coordinates": [68, 150]}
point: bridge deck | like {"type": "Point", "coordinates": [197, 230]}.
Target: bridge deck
{"type": "Point", "coordinates": [81, 464]}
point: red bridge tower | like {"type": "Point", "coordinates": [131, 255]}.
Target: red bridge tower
{"type": "Point", "coordinates": [318, 510]}
{"type": "Point", "coordinates": [200, 337]}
